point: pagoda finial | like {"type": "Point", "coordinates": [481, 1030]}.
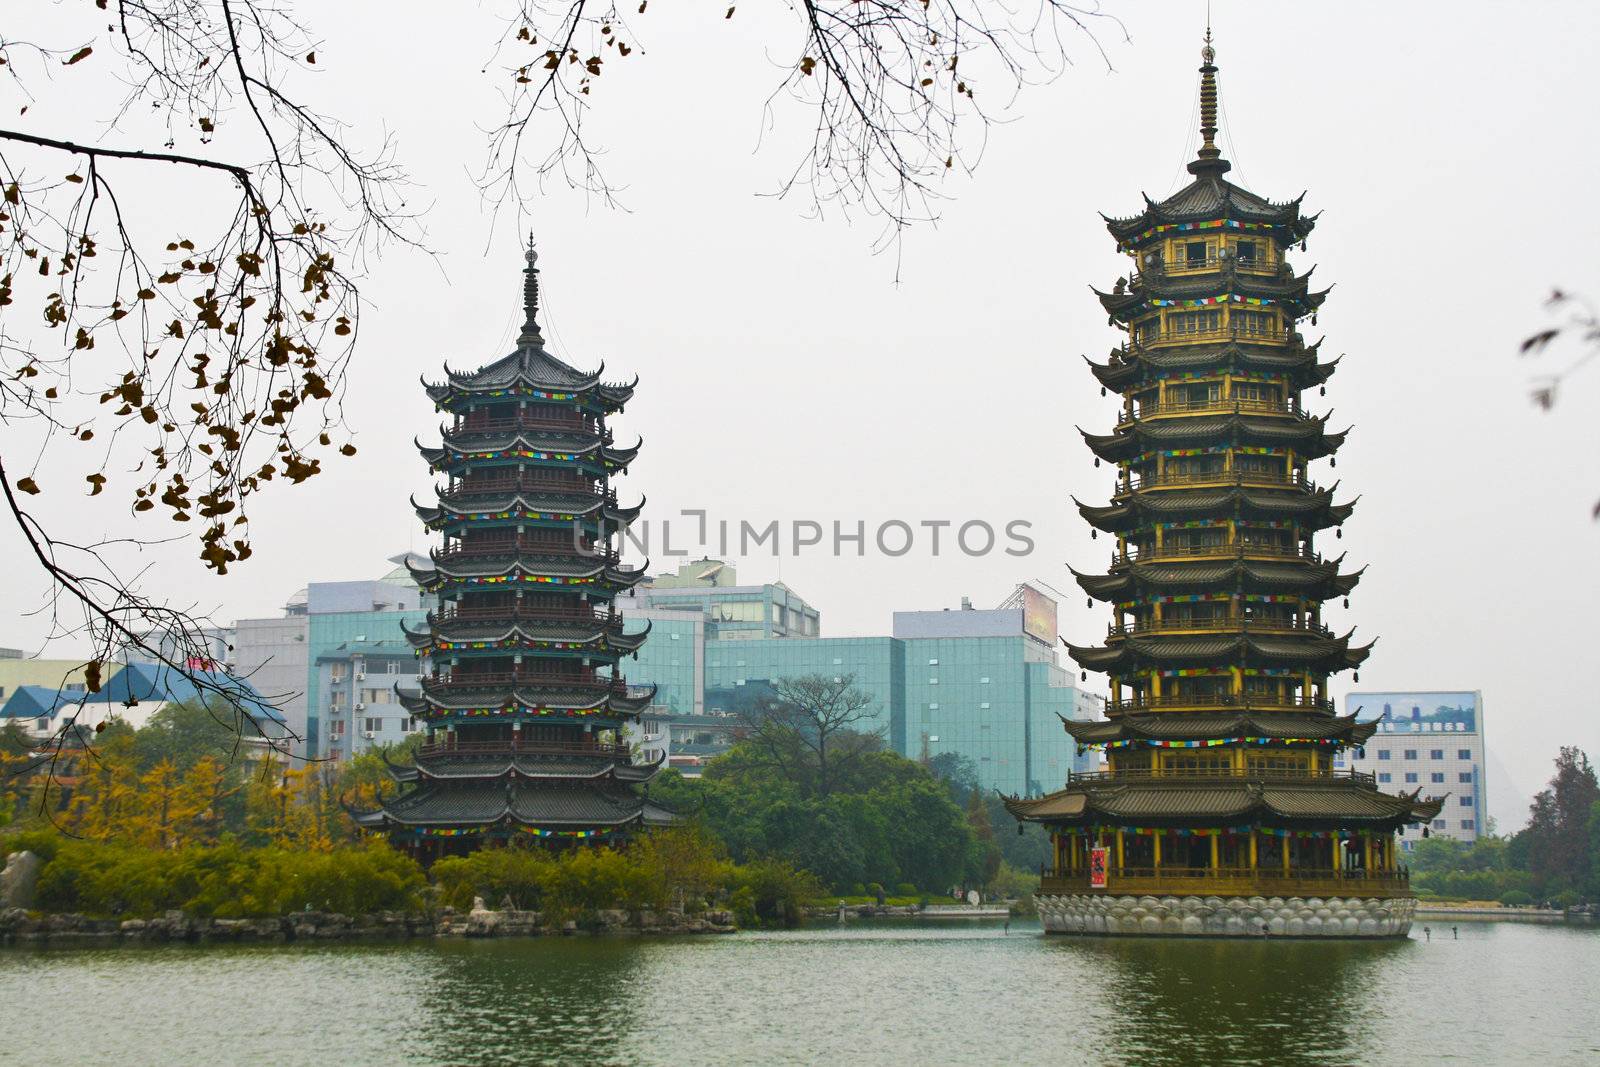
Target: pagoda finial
{"type": "Point", "coordinates": [1209, 159]}
{"type": "Point", "coordinates": [530, 297]}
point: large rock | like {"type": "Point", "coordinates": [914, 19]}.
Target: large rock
{"type": "Point", "coordinates": [19, 880]}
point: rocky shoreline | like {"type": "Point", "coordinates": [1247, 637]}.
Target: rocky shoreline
{"type": "Point", "coordinates": [21, 927]}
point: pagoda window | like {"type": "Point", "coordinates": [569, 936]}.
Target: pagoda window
{"type": "Point", "coordinates": [1258, 464]}
{"type": "Point", "coordinates": [1260, 763]}
{"type": "Point", "coordinates": [1255, 323]}
{"type": "Point", "coordinates": [1194, 253]}
{"type": "Point", "coordinates": [1208, 763]}
{"type": "Point", "coordinates": [1246, 251]}
{"type": "Point", "coordinates": [1195, 322]}
{"type": "Point", "coordinates": [1148, 330]}
{"type": "Point", "coordinates": [1194, 394]}
{"type": "Point", "coordinates": [1260, 392]}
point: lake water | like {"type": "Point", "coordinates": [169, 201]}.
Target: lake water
{"type": "Point", "coordinates": [872, 994]}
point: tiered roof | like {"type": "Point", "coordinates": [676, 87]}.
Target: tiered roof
{"type": "Point", "coordinates": [524, 646]}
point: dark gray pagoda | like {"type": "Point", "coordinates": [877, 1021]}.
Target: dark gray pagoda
{"type": "Point", "coordinates": [524, 705]}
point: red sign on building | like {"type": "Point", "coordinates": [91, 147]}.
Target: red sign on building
{"type": "Point", "coordinates": [1098, 860]}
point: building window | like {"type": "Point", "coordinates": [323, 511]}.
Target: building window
{"type": "Point", "coordinates": [1411, 778]}
{"type": "Point", "coordinates": [1383, 753]}
{"type": "Point", "coordinates": [1437, 753]}
{"type": "Point", "coordinates": [933, 707]}
{"type": "Point", "coordinates": [1194, 253]}
{"type": "Point", "coordinates": [984, 705]}
{"type": "Point", "coordinates": [1466, 801]}
{"type": "Point", "coordinates": [1436, 777]}
{"type": "Point", "coordinates": [1463, 753]}
{"type": "Point", "coordinates": [1438, 824]}
{"type": "Point", "coordinates": [983, 681]}
{"type": "Point", "coordinates": [1384, 776]}
{"type": "Point", "coordinates": [837, 661]}
{"type": "Point", "coordinates": [1411, 753]}
{"type": "Point", "coordinates": [1466, 824]}
{"type": "Point", "coordinates": [1246, 251]}
{"type": "Point", "coordinates": [933, 663]}
{"type": "Point", "coordinates": [933, 681]}
{"type": "Point", "coordinates": [1464, 776]}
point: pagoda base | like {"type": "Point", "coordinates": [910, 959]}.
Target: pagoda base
{"type": "Point", "coordinates": [1103, 914]}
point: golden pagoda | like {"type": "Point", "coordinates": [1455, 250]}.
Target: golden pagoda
{"type": "Point", "coordinates": [1220, 811]}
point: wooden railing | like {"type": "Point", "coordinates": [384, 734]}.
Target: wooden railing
{"type": "Point", "coordinates": [553, 613]}
{"type": "Point", "coordinates": [489, 679]}
{"type": "Point", "coordinates": [1135, 554]}
{"type": "Point", "coordinates": [1223, 622]}
{"type": "Point", "coordinates": [561, 547]}
{"type": "Point", "coordinates": [1169, 479]}
{"type": "Point", "coordinates": [478, 487]}
{"type": "Point", "coordinates": [1231, 332]}
{"type": "Point", "coordinates": [1218, 701]}
{"type": "Point", "coordinates": [1213, 406]}
{"type": "Point", "coordinates": [1230, 882]}
{"type": "Point", "coordinates": [503, 425]}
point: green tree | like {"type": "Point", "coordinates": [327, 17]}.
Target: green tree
{"type": "Point", "coordinates": [1559, 850]}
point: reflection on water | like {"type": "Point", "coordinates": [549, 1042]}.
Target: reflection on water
{"type": "Point", "coordinates": [1214, 1002]}
{"type": "Point", "coordinates": [878, 994]}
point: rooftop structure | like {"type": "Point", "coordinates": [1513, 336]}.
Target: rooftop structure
{"type": "Point", "coordinates": [1220, 732]}
{"type": "Point", "coordinates": [1430, 740]}
{"type": "Point", "coordinates": [523, 703]}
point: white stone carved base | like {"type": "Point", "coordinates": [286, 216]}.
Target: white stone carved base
{"type": "Point", "coordinates": [1147, 916]}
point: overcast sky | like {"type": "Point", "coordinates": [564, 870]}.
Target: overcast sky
{"type": "Point", "coordinates": [785, 375]}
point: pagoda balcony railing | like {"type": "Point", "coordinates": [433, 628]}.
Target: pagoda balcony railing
{"type": "Point", "coordinates": [503, 425]}
{"type": "Point", "coordinates": [1171, 479]}
{"type": "Point", "coordinates": [1134, 554]}
{"type": "Point", "coordinates": [1232, 332]}
{"type": "Point", "coordinates": [1219, 622]}
{"type": "Point", "coordinates": [1264, 881]}
{"type": "Point", "coordinates": [1216, 701]}
{"type": "Point", "coordinates": [513, 611]}
{"type": "Point", "coordinates": [1212, 261]}
{"type": "Point", "coordinates": [1132, 774]}
{"type": "Point", "coordinates": [494, 748]}
{"type": "Point", "coordinates": [1213, 406]}
{"type": "Point", "coordinates": [481, 486]}
{"type": "Point", "coordinates": [561, 548]}
{"type": "Point", "coordinates": [492, 679]}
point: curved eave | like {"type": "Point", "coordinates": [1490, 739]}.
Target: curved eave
{"type": "Point", "coordinates": [1293, 292]}
{"type": "Point", "coordinates": [1314, 511]}
{"type": "Point", "coordinates": [1308, 436]}
{"type": "Point", "coordinates": [1316, 581]}
{"type": "Point", "coordinates": [1210, 725]}
{"type": "Point", "coordinates": [1179, 801]}
{"type": "Point", "coordinates": [1226, 201]}
{"type": "Point", "coordinates": [1133, 366]}
{"type": "Point", "coordinates": [1321, 654]}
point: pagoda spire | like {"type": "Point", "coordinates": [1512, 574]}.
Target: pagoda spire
{"type": "Point", "coordinates": [1209, 160]}
{"type": "Point", "coordinates": [530, 298]}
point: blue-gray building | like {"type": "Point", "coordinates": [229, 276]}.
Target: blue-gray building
{"type": "Point", "coordinates": [984, 684]}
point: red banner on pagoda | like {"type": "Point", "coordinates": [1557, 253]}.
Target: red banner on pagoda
{"type": "Point", "coordinates": [1098, 860]}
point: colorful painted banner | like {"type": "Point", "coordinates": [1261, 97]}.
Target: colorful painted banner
{"type": "Point", "coordinates": [1195, 227]}
{"type": "Point", "coordinates": [484, 516]}
{"type": "Point", "coordinates": [1211, 375]}
{"type": "Point", "coordinates": [512, 579]}
{"type": "Point", "coordinates": [1099, 863]}
{"type": "Point", "coordinates": [513, 710]}
{"type": "Point", "coordinates": [517, 453]}
{"type": "Point", "coordinates": [600, 644]}
{"type": "Point", "coordinates": [1213, 301]}
{"type": "Point", "coordinates": [1212, 742]}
